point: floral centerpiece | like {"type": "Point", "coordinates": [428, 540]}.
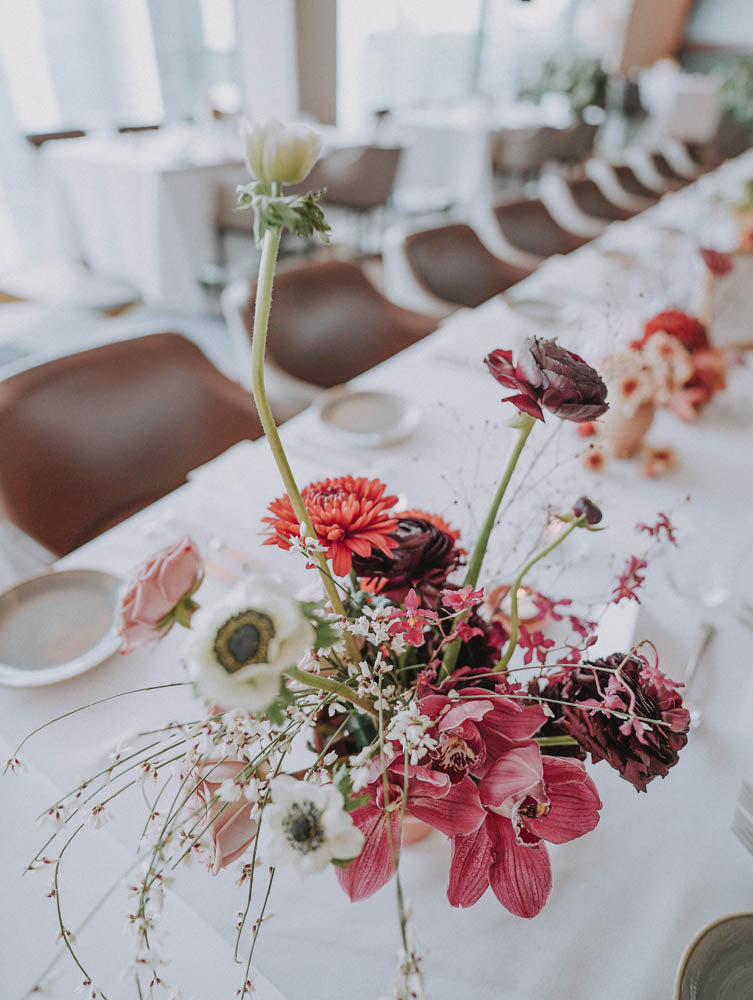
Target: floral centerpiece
{"type": "Point", "coordinates": [424, 700]}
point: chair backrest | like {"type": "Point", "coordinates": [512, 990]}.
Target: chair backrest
{"type": "Point", "coordinates": [628, 179]}
{"type": "Point", "coordinates": [589, 199]}
{"type": "Point", "coordinates": [663, 167]}
{"type": "Point", "coordinates": [38, 139]}
{"type": "Point", "coordinates": [89, 439]}
{"type": "Point", "coordinates": [329, 323]}
{"type": "Point", "coordinates": [358, 177]}
{"type": "Point", "coordinates": [578, 141]}
{"type": "Point", "coordinates": [453, 264]}
{"type": "Point", "coordinates": [528, 225]}
{"type": "Point", "coordinates": [522, 149]}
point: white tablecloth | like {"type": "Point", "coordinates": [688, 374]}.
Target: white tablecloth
{"type": "Point", "coordinates": [141, 207]}
{"type": "Point", "coordinates": [628, 897]}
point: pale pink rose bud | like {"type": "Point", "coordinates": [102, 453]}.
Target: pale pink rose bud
{"type": "Point", "coordinates": [159, 594]}
{"type": "Point", "coordinates": [231, 829]}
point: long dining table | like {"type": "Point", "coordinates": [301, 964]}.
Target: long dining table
{"type": "Point", "coordinates": [627, 898]}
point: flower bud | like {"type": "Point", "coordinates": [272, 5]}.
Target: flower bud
{"type": "Point", "coordinates": [585, 507]}
{"type": "Point", "coordinates": [277, 153]}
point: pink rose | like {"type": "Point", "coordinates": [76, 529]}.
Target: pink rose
{"type": "Point", "coordinates": [231, 829]}
{"type": "Point", "coordinates": [161, 587]}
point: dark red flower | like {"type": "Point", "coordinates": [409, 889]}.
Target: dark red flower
{"type": "Point", "coordinates": [350, 516]}
{"type": "Point", "coordinates": [589, 508]}
{"type": "Point", "coordinates": [605, 711]}
{"type": "Point", "coordinates": [551, 377]}
{"type": "Point", "coordinates": [719, 264]}
{"type": "Point", "coordinates": [688, 330]}
{"type": "Point", "coordinates": [421, 559]}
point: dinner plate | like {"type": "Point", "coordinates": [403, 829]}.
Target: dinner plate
{"type": "Point", "coordinates": [539, 311]}
{"type": "Point", "coordinates": [367, 417]}
{"type": "Point", "coordinates": [56, 625]}
{"type": "Point", "coordinates": [718, 965]}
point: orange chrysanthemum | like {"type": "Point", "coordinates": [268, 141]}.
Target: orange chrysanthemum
{"type": "Point", "coordinates": [348, 515]}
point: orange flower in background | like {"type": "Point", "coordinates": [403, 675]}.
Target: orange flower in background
{"type": "Point", "coordinates": [687, 329]}
{"type": "Point", "coordinates": [349, 516]}
{"type": "Point", "coordinates": [658, 461]}
{"type": "Point", "coordinates": [594, 459]}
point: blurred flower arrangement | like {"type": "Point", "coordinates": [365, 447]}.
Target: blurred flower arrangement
{"type": "Point", "coordinates": [427, 695]}
{"type": "Point", "coordinates": [673, 365]}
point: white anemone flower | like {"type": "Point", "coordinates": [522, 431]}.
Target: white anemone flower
{"type": "Point", "coordinates": [239, 647]}
{"type": "Point", "coordinates": [278, 153]}
{"type": "Point", "coordinates": [306, 825]}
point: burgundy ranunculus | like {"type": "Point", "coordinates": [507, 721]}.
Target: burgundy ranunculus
{"type": "Point", "coordinates": [639, 751]}
{"type": "Point", "coordinates": [422, 558]}
{"type": "Point", "coordinates": [551, 377]}
{"type": "Point", "coordinates": [688, 330]}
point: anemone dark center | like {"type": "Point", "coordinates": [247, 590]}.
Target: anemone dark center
{"type": "Point", "coordinates": [302, 827]}
{"type": "Point", "coordinates": [244, 639]}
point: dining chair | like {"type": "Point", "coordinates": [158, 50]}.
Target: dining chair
{"type": "Point", "coordinates": [590, 200]}
{"type": "Point", "coordinates": [38, 139]}
{"type": "Point", "coordinates": [628, 179]}
{"type": "Point", "coordinates": [527, 224]}
{"type": "Point", "coordinates": [661, 164]}
{"type": "Point", "coordinates": [453, 264]}
{"type": "Point", "coordinates": [358, 180]}
{"type": "Point", "coordinates": [327, 325]}
{"type": "Point", "coordinates": [91, 438]}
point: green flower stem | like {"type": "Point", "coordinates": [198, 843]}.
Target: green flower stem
{"type": "Point", "coordinates": [555, 741]}
{"type": "Point", "coordinates": [330, 684]}
{"type": "Point", "coordinates": [270, 246]}
{"type": "Point", "coordinates": [479, 550]}
{"type": "Point", "coordinates": [514, 618]}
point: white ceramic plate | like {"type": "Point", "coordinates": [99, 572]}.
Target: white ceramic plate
{"type": "Point", "coordinates": [57, 625]}
{"type": "Point", "coordinates": [369, 418]}
{"type": "Point", "coordinates": [718, 965]}
{"type": "Point", "coordinates": [538, 311]}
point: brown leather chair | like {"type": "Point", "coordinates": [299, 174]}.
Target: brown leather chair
{"type": "Point", "coordinates": [662, 166]}
{"type": "Point", "coordinates": [329, 323]}
{"type": "Point", "coordinates": [89, 439]}
{"type": "Point", "coordinates": [628, 179]}
{"type": "Point", "coordinates": [38, 139]}
{"type": "Point", "coordinates": [591, 201]}
{"type": "Point", "coordinates": [527, 225]}
{"type": "Point", "coordinates": [359, 178]}
{"type": "Point", "coordinates": [452, 263]}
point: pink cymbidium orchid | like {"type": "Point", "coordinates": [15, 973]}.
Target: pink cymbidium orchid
{"type": "Point", "coordinates": [453, 808]}
{"type": "Point", "coordinates": [529, 799]}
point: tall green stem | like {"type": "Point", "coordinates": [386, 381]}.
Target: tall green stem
{"type": "Point", "coordinates": [270, 246]}
{"type": "Point", "coordinates": [514, 616]}
{"type": "Point", "coordinates": [479, 550]}
{"type": "Point", "coordinates": [322, 683]}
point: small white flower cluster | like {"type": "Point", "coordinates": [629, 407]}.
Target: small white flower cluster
{"type": "Point", "coordinates": [360, 767]}
{"type": "Point", "coordinates": [374, 626]}
{"type": "Point", "coordinates": [305, 544]}
{"type": "Point", "coordinates": [409, 728]}
{"type": "Point", "coordinates": [409, 984]}
{"type": "Point", "coordinates": [369, 686]}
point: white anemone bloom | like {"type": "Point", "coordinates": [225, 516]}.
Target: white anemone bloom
{"type": "Point", "coordinates": [239, 648]}
{"type": "Point", "coordinates": [306, 825]}
{"type": "Point", "coordinates": [277, 153]}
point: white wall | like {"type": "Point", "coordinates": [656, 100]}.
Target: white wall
{"type": "Point", "coordinates": [727, 23]}
{"type": "Point", "coordinates": [267, 56]}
